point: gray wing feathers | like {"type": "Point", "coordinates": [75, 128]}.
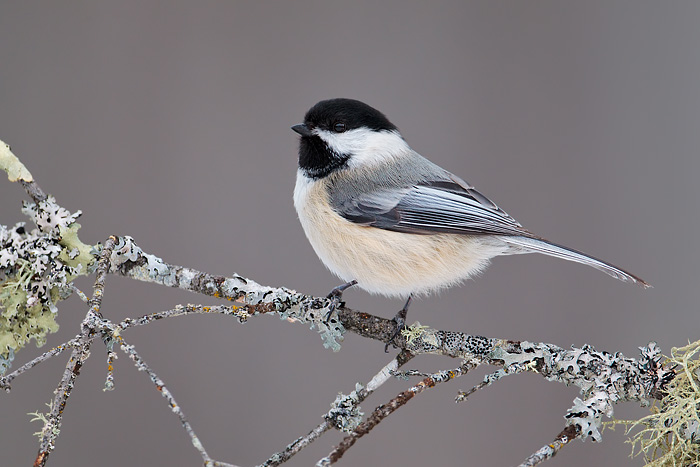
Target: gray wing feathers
{"type": "Point", "coordinates": [427, 207]}
{"type": "Point", "coordinates": [430, 207]}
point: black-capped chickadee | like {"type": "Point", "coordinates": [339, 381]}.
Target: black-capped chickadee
{"type": "Point", "coordinates": [381, 216]}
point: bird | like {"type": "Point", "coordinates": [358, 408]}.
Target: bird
{"type": "Point", "coordinates": [382, 217]}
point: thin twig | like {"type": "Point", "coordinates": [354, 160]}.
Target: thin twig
{"type": "Point", "coordinates": [80, 293]}
{"type": "Point", "coordinates": [182, 310]}
{"type": "Point", "coordinates": [7, 379]}
{"type": "Point", "coordinates": [34, 191]}
{"type": "Point", "coordinates": [52, 427]}
{"type": "Point", "coordinates": [109, 381]}
{"type": "Point", "coordinates": [383, 411]}
{"type": "Point", "coordinates": [488, 381]}
{"type": "Point", "coordinates": [103, 265]}
{"type": "Point", "coordinates": [548, 451]}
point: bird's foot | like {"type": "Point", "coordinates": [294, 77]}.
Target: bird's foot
{"type": "Point", "coordinates": [336, 298]}
{"type": "Point", "coordinates": [399, 322]}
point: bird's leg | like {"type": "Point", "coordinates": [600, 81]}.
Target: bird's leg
{"type": "Point", "coordinates": [336, 296]}
{"type": "Point", "coordinates": [400, 321]}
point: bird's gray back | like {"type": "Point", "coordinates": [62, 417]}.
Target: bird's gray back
{"type": "Point", "coordinates": [394, 178]}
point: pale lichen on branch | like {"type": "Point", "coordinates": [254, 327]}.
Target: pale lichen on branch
{"type": "Point", "coordinates": [37, 268]}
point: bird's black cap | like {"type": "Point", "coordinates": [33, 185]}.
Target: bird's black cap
{"type": "Point", "coordinates": [351, 112]}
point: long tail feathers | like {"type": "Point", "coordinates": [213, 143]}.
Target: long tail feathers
{"type": "Point", "coordinates": [536, 245]}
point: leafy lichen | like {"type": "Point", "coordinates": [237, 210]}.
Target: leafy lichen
{"type": "Point", "coordinates": [345, 413]}
{"type": "Point", "coordinates": [44, 418]}
{"type": "Point", "coordinates": [37, 268]}
{"type": "Point", "coordinates": [10, 164]}
{"type": "Point", "coordinates": [413, 332]}
{"type": "Point", "coordinates": [670, 436]}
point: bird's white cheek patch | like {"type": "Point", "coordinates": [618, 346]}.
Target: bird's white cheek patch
{"type": "Point", "coordinates": [364, 146]}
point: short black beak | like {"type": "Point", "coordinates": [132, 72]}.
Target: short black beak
{"type": "Point", "coordinates": [302, 129]}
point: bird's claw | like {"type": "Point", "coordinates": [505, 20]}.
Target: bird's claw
{"type": "Point", "coordinates": [399, 324]}
{"type": "Point", "coordinates": [336, 298]}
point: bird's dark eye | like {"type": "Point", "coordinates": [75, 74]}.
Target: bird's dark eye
{"type": "Point", "coordinates": [339, 127]}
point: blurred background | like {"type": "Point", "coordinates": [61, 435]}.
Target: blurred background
{"type": "Point", "coordinates": [169, 122]}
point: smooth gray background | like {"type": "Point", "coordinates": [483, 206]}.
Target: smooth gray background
{"type": "Point", "coordinates": [169, 122]}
